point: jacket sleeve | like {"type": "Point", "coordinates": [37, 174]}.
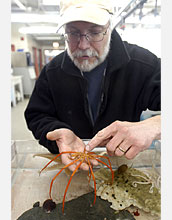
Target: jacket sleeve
{"type": "Point", "coordinates": [151, 92]}
{"type": "Point", "coordinates": [40, 113]}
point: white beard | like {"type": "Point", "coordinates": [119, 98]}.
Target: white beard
{"type": "Point", "coordinates": [85, 66]}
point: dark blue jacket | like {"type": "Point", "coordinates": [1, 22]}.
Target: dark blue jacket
{"type": "Point", "coordinates": [59, 99]}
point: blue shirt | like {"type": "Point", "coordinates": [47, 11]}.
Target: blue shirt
{"type": "Point", "coordinates": [95, 82]}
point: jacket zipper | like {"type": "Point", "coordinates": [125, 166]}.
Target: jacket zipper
{"type": "Point", "coordinates": [89, 108]}
{"type": "Point", "coordinates": [102, 94]}
{"type": "Point", "coordinates": [90, 112]}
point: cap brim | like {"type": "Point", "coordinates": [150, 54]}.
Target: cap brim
{"type": "Point", "coordinates": [97, 16]}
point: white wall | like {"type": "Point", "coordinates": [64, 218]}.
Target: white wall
{"type": "Point", "coordinates": [25, 44]}
{"type": "Point", "coordinates": [147, 38]}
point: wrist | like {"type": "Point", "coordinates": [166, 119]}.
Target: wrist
{"type": "Point", "coordinates": [154, 124]}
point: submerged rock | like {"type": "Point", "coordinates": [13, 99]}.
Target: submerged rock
{"type": "Point", "coordinates": [49, 205]}
{"type": "Point", "coordinates": [79, 209]}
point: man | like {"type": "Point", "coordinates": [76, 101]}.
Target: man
{"type": "Point", "coordinates": [96, 90]}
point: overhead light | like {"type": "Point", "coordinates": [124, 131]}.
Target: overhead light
{"type": "Point", "coordinates": [55, 45]}
{"type": "Point", "coordinates": [38, 30]}
{"type": "Point", "coordinates": [20, 5]}
{"type": "Point", "coordinates": [52, 52]}
{"type": "Point", "coordinates": [50, 2]}
{"type": "Point", "coordinates": [48, 38]}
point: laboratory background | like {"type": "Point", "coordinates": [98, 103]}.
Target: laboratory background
{"type": "Point", "coordinates": [35, 41]}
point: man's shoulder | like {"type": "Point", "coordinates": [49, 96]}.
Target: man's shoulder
{"type": "Point", "coordinates": [140, 54]}
{"type": "Point", "coordinates": [56, 61]}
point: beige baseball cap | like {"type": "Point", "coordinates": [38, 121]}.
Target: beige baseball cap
{"type": "Point", "coordinates": [93, 11]}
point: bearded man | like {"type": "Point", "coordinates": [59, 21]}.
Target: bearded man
{"type": "Point", "coordinates": [96, 89]}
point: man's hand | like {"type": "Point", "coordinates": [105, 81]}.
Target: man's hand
{"type": "Point", "coordinates": [67, 141]}
{"type": "Point", "coordinates": [127, 138]}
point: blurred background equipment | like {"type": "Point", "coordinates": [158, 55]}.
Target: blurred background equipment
{"type": "Point", "coordinates": [138, 21]}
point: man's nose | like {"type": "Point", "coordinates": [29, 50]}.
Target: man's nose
{"type": "Point", "coordinates": [83, 43]}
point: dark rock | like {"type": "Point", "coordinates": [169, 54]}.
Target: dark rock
{"type": "Point", "coordinates": [36, 204]}
{"type": "Point", "coordinates": [49, 205]}
{"type": "Point", "coordinates": [79, 209]}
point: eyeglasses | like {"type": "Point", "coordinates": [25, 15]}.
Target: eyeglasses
{"type": "Point", "coordinates": [75, 36]}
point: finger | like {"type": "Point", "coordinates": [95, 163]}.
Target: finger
{"type": "Point", "coordinates": [111, 153]}
{"type": "Point", "coordinates": [122, 148]}
{"type": "Point", "coordinates": [53, 135]}
{"type": "Point", "coordinates": [119, 137]}
{"type": "Point", "coordinates": [94, 142]}
{"type": "Point", "coordinates": [132, 152]}
{"type": "Point", "coordinates": [104, 142]}
{"type": "Point", "coordinates": [84, 166]}
{"type": "Point", "coordinates": [94, 162]}
{"type": "Point", "coordinates": [66, 160]}
{"type": "Point", "coordinates": [114, 142]}
{"type": "Point", "coordinates": [120, 151]}
{"type": "Point", "coordinates": [100, 137]}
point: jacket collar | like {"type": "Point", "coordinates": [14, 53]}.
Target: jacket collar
{"type": "Point", "coordinates": [68, 66]}
{"type": "Point", "coordinates": [117, 57]}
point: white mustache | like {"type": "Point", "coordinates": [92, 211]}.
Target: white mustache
{"type": "Point", "coordinates": [88, 52]}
